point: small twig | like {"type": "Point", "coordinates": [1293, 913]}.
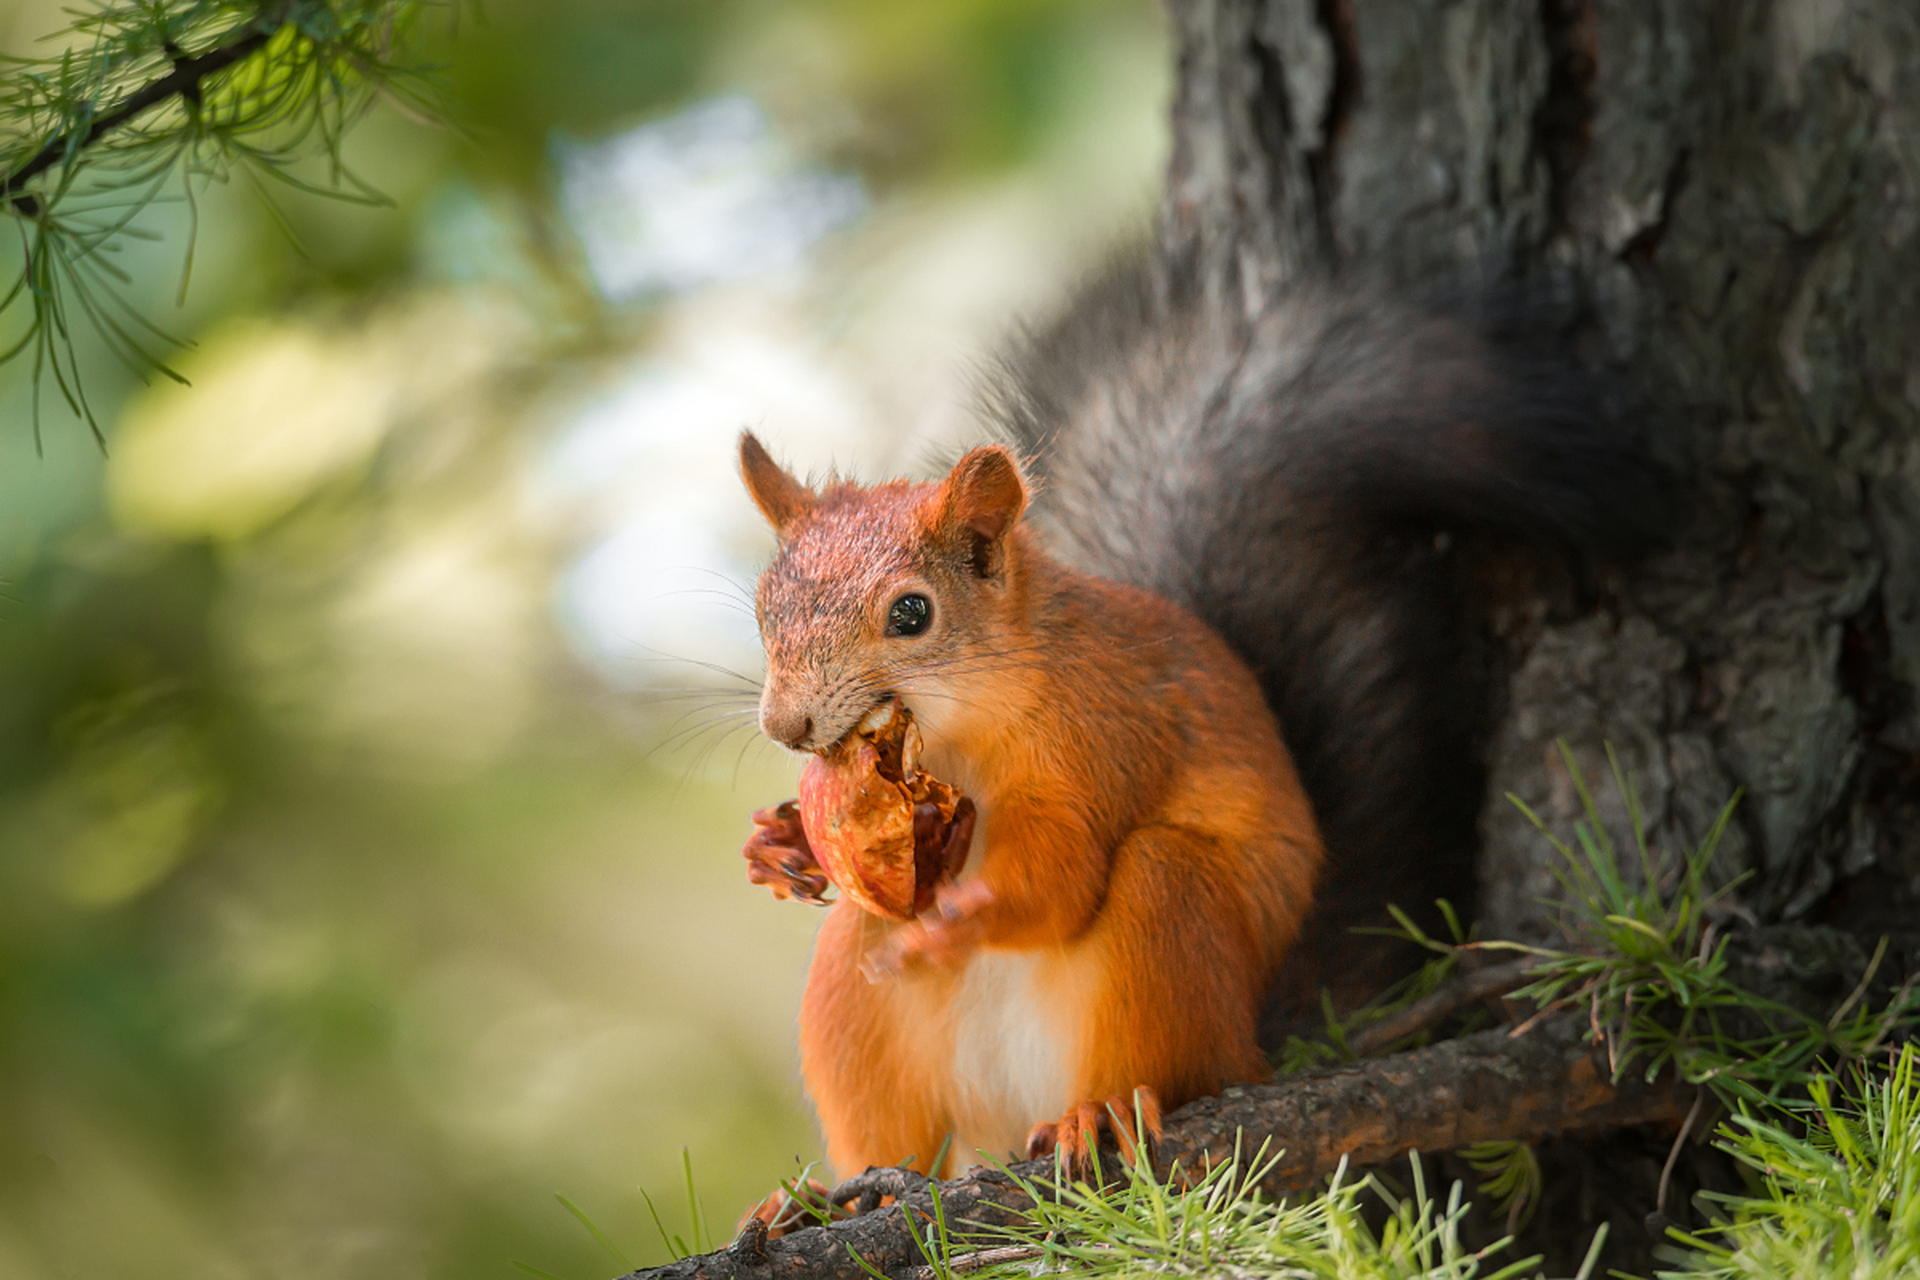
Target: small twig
{"type": "Point", "coordinates": [1564, 1002]}
{"type": "Point", "coordinates": [978, 1261]}
{"type": "Point", "coordinates": [183, 81]}
{"type": "Point", "coordinates": [1434, 1007]}
{"type": "Point", "coordinates": [1891, 1017]}
{"type": "Point", "coordinates": [1666, 1171]}
{"type": "Point", "coordinates": [1873, 967]}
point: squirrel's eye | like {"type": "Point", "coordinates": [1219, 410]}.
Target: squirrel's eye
{"type": "Point", "coordinates": [909, 615]}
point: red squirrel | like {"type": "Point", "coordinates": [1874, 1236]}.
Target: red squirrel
{"type": "Point", "coordinates": [1237, 515]}
{"type": "Point", "coordinates": [1128, 781]}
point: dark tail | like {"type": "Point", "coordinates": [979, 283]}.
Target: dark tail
{"type": "Point", "coordinates": [1313, 481]}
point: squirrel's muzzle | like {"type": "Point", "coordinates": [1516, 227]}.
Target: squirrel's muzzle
{"type": "Point", "coordinates": [790, 728]}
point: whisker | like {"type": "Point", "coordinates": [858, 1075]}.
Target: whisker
{"type": "Point", "coordinates": [717, 695]}
{"type": "Point", "coordinates": [706, 753]}
{"type": "Point", "coordinates": [679, 735]}
{"type": "Point", "coordinates": [740, 588]}
{"type": "Point", "coordinates": [756, 740]}
{"type": "Point", "coordinates": [732, 602]}
{"type": "Point", "coordinates": [713, 715]}
{"type": "Point", "coordinates": [694, 699]}
{"type": "Point", "coordinates": [702, 663]}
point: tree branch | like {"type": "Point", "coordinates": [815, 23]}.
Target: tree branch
{"type": "Point", "coordinates": [183, 81]}
{"type": "Point", "coordinates": [1479, 1088]}
{"type": "Point", "coordinates": [1468, 988]}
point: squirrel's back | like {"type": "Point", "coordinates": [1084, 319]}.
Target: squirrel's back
{"type": "Point", "coordinates": [1303, 480]}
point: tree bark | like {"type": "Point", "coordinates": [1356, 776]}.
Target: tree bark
{"type": "Point", "coordinates": [1730, 194]}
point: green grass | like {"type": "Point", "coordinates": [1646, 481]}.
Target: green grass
{"type": "Point", "coordinates": [1835, 1184]}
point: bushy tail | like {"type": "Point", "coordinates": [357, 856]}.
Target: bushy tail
{"type": "Point", "coordinates": [1305, 480]}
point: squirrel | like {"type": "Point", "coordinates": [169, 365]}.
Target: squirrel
{"type": "Point", "coordinates": [1196, 634]}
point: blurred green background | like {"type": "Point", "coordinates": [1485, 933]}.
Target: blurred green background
{"type": "Point", "coordinates": [369, 815]}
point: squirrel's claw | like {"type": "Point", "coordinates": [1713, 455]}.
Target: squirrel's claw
{"type": "Point", "coordinates": [878, 1183]}
{"type": "Point", "coordinates": [779, 856]}
{"type": "Point", "coordinates": [1075, 1136]}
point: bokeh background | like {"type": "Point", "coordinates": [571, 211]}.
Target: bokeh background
{"type": "Point", "coordinates": [375, 733]}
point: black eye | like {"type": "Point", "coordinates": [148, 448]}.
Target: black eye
{"type": "Point", "coordinates": [909, 615]}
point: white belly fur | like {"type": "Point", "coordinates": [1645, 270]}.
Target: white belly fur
{"type": "Point", "coordinates": [1013, 1051]}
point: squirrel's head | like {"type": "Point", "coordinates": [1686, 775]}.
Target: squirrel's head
{"type": "Point", "coordinates": [880, 590]}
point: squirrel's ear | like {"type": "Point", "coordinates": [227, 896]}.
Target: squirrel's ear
{"type": "Point", "coordinates": [984, 495]}
{"type": "Point", "coordinates": [779, 496]}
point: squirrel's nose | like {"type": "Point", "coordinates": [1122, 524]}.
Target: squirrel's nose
{"type": "Point", "coordinates": [790, 727]}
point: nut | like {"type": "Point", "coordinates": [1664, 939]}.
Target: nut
{"type": "Point", "coordinates": [877, 822]}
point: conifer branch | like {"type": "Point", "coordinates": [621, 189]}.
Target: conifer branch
{"type": "Point", "coordinates": [145, 103]}
{"type": "Point", "coordinates": [182, 81]}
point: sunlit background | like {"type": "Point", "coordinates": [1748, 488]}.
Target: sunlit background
{"type": "Point", "coordinates": [372, 739]}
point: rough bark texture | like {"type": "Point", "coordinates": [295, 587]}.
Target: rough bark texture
{"type": "Point", "coordinates": [1479, 1088]}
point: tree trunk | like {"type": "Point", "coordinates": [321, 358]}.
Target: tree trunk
{"type": "Point", "coordinates": [1728, 196]}
{"type": "Point", "coordinates": [1732, 192]}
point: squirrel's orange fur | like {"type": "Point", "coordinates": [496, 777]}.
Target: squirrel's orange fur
{"type": "Point", "coordinates": [1144, 853]}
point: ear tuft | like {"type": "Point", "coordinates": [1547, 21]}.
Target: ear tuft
{"type": "Point", "coordinates": [984, 495]}
{"type": "Point", "coordinates": [781, 498]}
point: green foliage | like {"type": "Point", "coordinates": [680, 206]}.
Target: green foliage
{"type": "Point", "coordinates": [147, 100]}
{"type": "Point", "coordinates": [1512, 1178]}
{"type": "Point", "coordinates": [1648, 964]}
{"type": "Point", "coordinates": [676, 1245]}
{"type": "Point", "coordinates": [1637, 949]}
{"type": "Point", "coordinates": [1837, 1184]}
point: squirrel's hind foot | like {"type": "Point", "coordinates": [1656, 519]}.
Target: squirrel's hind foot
{"type": "Point", "coordinates": [1075, 1137]}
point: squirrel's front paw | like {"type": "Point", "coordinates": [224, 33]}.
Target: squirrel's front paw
{"type": "Point", "coordinates": [941, 936]}
{"type": "Point", "coordinates": [779, 856]}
